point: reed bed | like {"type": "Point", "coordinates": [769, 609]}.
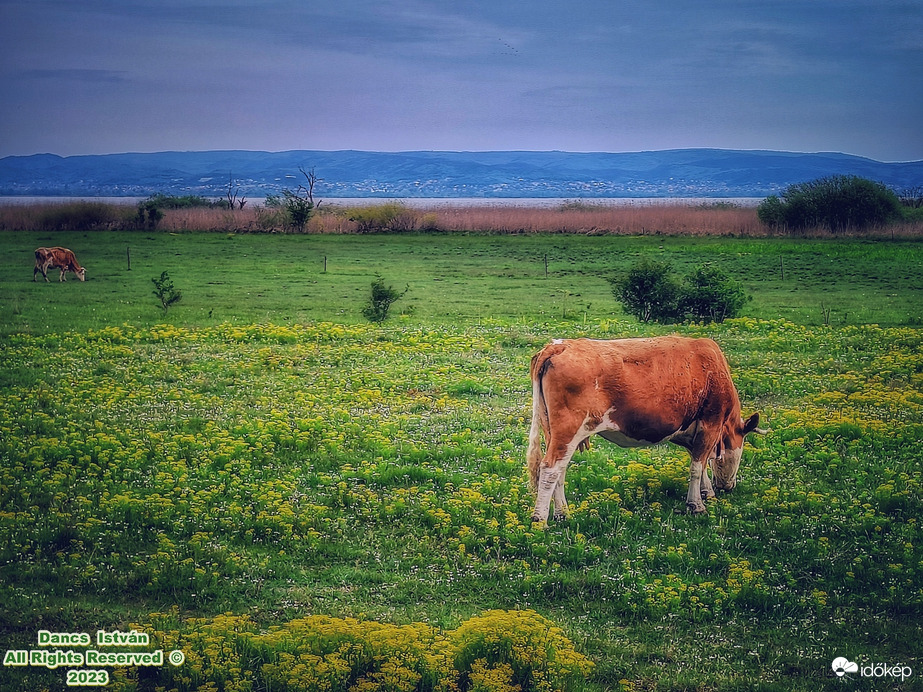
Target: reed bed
{"type": "Point", "coordinates": [672, 219]}
{"type": "Point", "coordinates": [666, 219]}
{"type": "Point", "coordinates": [586, 218]}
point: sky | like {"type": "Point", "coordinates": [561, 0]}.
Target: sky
{"type": "Point", "coordinates": [109, 76]}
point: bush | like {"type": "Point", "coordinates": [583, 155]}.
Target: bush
{"type": "Point", "coordinates": [166, 292]}
{"type": "Point", "coordinates": [651, 293]}
{"type": "Point", "coordinates": [380, 300]}
{"type": "Point", "coordinates": [391, 216]}
{"type": "Point", "coordinates": [149, 214]}
{"type": "Point", "coordinates": [162, 201]}
{"type": "Point", "coordinates": [296, 207]}
{"type": "Point", "coordinates": [837, 202]}
{"type": "Point", "coordinates": [499, 650]}
{"type": "Point", "coordinates": [711, 296]}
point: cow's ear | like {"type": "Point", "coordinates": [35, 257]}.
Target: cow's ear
{"type": "Point", "coordinates": [751, 423]}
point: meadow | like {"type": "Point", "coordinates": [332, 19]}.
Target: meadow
{"type": "Point", "coordinates": [297, 499]}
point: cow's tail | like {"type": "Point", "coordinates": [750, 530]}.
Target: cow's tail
{"type": "Point", "coordinates": [534, 455]}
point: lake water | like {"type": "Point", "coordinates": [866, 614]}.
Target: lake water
{"type": "Point", "coordinates": [435, 202]}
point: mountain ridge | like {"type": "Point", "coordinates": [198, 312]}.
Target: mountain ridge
{"type": "Point", "coordinates": [691, 172]}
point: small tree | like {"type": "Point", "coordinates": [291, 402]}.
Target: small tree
{"type": "Point", "coordinates": [838, 202]}
{"type": "Point", "coordinates": [710, 295]}
{"type": "Point", "coordinates": [233, 201]}
{"type": "Point", "coordinates": [771, 211]}
{"type": "Point", "coordinates": [298, 204]}
{"type": "Point", "coordinates": [165, 291]}
{"type": "Point", "coordinates": [149, 213]}
{"type": "Point", "coordinates": [381, 299]}
{"type": "Point", "coordinates": [649, 291]}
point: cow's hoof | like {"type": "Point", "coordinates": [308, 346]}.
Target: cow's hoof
{"type": "Point", "coordinates": [559, 516]}
{"type": "Point", "coordinates": [693, 508]}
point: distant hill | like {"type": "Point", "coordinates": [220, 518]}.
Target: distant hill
{"type": "Point", "coordinates": [674, 173]}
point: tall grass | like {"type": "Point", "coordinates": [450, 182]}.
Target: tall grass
{"type": "Point", "coordinates": [66, 216]}
{"type": "Point", "coordinates": [586, 218]}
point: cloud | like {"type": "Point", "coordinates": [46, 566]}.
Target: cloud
{"type": "Point", "coordinates": [74, 75]}
{"type": "Point", "coordinates": [386, 74]}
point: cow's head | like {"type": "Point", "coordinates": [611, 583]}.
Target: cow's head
{"type": "Point", "coordinates": [81, 273]}
{"type": "Point", "coordinates": [730, 448]}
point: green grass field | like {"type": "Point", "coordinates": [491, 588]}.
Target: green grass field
{"type": "Point", "coordinates": [223, 475]}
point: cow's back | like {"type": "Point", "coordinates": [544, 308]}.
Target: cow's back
{"type": "Point", "coordinates": [653, 385]}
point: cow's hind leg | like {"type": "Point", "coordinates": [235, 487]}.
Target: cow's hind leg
{"type": "Point", "coordinates": [551, 478]}
{"type": "Point", "coordinates": [560, 502]}
{"type": "Point", "coordinates": [547, 487]}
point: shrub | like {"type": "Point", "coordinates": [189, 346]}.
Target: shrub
{"type": "Point", "coordinates": [381, 300]}
{"type": "Point", "coordinates": [149, 214]}
{"type": "Point", "coordinates": [711, 296]}
{"type": "Point", "coordinates": [162, 201]}
{"type": "Point", "coordinates": [296, 207]}
{"type": "Point", "coordinates": [771, 211]}
{"type": "Point", "coordinates": [838, 202]}
{"type": "Point", "coordinates": [391, 216]}
{"type": "Point", "coordinates": [651, 292]}
{"type": "Point", "coordinates": [517, 650]}
{"type": "Point", "coordinates": [165, 291]}
{"type": "Point", "coordinates": [499, 650]}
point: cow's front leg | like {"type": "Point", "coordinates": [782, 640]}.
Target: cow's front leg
{"type": "Point", "coordinates": [708, 491]}
{"type": "Point", "coordinates": [694, 495]}
{"type": "Point", "coordinates": [547, 487]}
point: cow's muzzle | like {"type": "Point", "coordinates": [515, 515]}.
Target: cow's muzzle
{"type": "Point", "coordinates": [725, 485]}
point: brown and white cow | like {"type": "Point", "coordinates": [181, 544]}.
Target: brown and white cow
{"type": "Point", "coordinates": [635, 392]}
{"type": "Point", "coordinates": [57, 257]}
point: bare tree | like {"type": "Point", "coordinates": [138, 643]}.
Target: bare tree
{"type": "Point", "coordinates": [308, 191]}
{"type": "Point", "coordinates": [298, 204]}
{"type": "Point", "coordinates": [233, 200]}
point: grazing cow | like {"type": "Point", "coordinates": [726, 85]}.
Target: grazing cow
{"type": "Point", "coordinates": [57, 257]}
{"type": "Point", "coordinates": [635, 392]}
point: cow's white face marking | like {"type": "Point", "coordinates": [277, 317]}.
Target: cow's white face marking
{"type": "Point", "coordinates": [727, 461]}
{"type": "Point", "coordinates": [725, 467]}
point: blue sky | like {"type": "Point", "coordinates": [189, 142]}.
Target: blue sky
{"type": "Point", "coordinates": [105, 76]}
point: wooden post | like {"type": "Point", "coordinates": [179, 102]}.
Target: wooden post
{"type": "Point", "coordinates": [325, 264]}
{"type": "Point", "coordinates": [128, 254]}
{"type": "Point", "coordinates": [546, 265]}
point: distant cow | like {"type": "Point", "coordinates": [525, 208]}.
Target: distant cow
{"type": "Point", "coordinates": [57, 257]}
{"type": "Point", "coordinates": [635, 392]}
